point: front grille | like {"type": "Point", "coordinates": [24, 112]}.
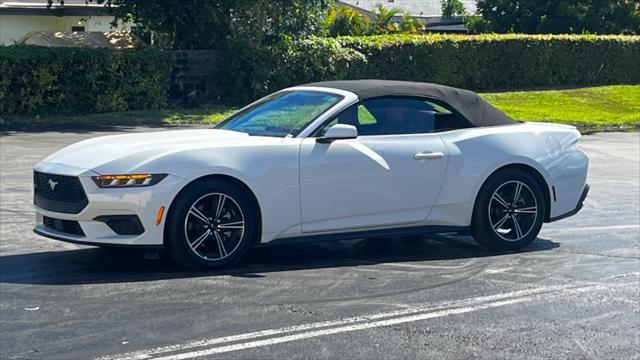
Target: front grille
{"type": "Point", "coordinates": [59, 193]}
{"type": "Point", "coordinates": [63, 226]}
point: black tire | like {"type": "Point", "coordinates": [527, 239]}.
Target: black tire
{"type": "Point", "coordinates": [521, 226]}
{"type": "Point", "coordinates": [178, 227]}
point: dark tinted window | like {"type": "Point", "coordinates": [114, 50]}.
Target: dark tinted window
{"type": "Point", "coordinates": [399, 115]}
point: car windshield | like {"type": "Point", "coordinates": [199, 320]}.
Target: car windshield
{"type": "Point", "coordinates": [281, 114]}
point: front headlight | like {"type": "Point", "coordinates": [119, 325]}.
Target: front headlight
{"type": "Point", "coordinates": [127, 180]}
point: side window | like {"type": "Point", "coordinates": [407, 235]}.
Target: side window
{"type": "Point", "coordinates": [399, 115]}
{"type": "Point", "coordinates": [446, 119]}
{"type": "Point", "coordinates": [365, 117]}
{"type": "Point", "coordinates": [393, 115]}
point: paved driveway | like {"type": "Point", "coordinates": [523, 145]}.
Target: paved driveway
{"type": "Point", "coordinates": [574, 293]}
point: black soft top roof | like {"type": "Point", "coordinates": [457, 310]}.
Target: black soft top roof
{"type": "Point", "coordinates": [467, 103]}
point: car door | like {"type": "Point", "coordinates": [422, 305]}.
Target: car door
{"type": "Point", "coordinates": [391, 174]}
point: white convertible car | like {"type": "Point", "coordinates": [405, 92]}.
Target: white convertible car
{"type": "Point", "coordinates": [329, 160]}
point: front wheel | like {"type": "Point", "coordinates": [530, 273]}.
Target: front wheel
{"type": "Point", "coordinates": [509, 211]}
{"type": "Point", "coordinates": [212, 225]}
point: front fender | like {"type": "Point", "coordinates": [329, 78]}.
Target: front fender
{"type": "Point", "coordinates": [270, 173]}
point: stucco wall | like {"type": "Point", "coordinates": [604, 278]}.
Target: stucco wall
{"type": "Point", "coordinates": [14, 27]}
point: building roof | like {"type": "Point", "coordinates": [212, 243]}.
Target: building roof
{"type": "Point", "coordinates": [467, 103]}
{"type": "Point", "coordinates": [86, 39]}
{"type": "Point", "coordinates": [416, 8]}
{"type": "Point", "coordinates": [40, 7]}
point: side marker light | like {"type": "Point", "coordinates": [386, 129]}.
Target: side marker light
{"type": "Point", "coordinates": [159, 216]}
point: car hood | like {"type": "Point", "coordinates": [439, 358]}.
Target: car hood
{"type": "Point", "coordinates": [130, 152]}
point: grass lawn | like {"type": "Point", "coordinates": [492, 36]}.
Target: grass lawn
{"type": "Point", "coordinates": [591, 109]}
{"type": "Point", "coordinates": [587, 108]}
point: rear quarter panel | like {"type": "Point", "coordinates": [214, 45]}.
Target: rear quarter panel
{"type": "Point", "coordinates": [477, 153]}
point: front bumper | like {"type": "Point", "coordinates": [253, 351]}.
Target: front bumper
{"type": "Point", "coordinates": [578, 207]}
{"type": "Point", "coordinates": [81, 240]}
{"type": "Point", "coordinates": [140, 202]}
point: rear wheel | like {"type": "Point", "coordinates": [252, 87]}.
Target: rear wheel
{"type": "Point", "coordinates": [212, 225]}
{"type": "Point", "coordinates": [509, 211]}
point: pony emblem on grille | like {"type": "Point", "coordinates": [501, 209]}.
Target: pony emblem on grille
{"type": "Point", "coordinates": [52, 184]}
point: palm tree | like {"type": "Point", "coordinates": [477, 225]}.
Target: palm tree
{"type": "Point", "coordinates": [382, 21]}
{"type": "Point", "coordinates": [409, 24]}
{"type": "Point", "coordinates": [346, 21]}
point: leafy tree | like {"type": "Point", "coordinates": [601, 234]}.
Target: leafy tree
{"type": "Point", "coordinates": [451, 8]}
{"type": "Point", "coordinates": [212, 24]}
{"type": "Point", "coordinates": [557, 16]}
{"type": "Point", "coordinates": [246, 31]}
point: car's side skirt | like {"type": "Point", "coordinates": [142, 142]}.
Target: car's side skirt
{"type": "Point", "coordinates": [404, 231]}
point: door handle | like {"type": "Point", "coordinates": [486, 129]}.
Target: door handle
{"type": "Point", "coordinates": [428, 155]}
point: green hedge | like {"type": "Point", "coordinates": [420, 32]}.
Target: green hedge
{"type": "Point", "coordinates": [477, 62]}
{"type": "Point", "coordinates": [39, 80]}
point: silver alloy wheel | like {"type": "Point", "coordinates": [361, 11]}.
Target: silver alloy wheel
{"type": "Point", "coordinates": [513, 210]}
{"type": "Point", "coordinates": [214, 226]}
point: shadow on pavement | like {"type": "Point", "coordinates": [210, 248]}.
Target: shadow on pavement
{"type": "Point", "coordinates": [99, 266]}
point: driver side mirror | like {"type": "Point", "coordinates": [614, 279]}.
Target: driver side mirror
{"type": "Point", "coordinates": [338, 132]}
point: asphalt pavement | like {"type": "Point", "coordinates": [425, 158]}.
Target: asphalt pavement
{"type": "Point", "coordinates": [572, 294]}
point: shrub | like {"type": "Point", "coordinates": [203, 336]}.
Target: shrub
{"type": "Point", "coordinates": [478, 62]}
{"type": "Point", "coordinates": [71, 80]}
{"type": "Point", "coordinates": [502, 61]}
{"type": "Point", "coordinates": [76, 80]}
{"type": "Point", "coordinates": [314, 59]}
{"type": "Point", "coordinates": [250, 73]}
